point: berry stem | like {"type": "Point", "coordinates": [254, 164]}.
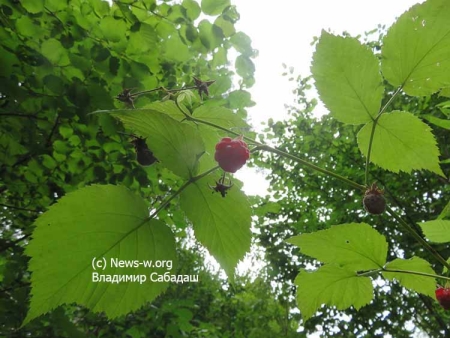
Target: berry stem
{"type": "Point", "coordinates": [418, 238]}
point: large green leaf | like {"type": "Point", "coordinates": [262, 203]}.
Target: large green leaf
{"type": "Point", "coordinates": [416, 49]}
{"type": "Point", "coordinates": [445, 213]}
{"type": "Point", "coordinates": [334, 286]}
{"type": "Point", "coordinates": [348, 78]}
{"type": "Point", "coordinates": [177, 145]}
{"type": "Point", "coordinates": [436, 231]}
{"type": "Point", "coordinates": [98, 222]}
{"type": "Point", "coordinates": [220, 116]}
{"type": "Point", "coordinates": [422, 284]}
{"type": "Point", "coordinates": [355, 245]}
{"type": "Point", "coordinates": [221, 224]}
{"type": "Point", "coordinates": [401, 142]}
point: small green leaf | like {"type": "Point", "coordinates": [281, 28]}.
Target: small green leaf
{"type": "Point", "coordinates": [176, 145]}
{"type": "Point", "coordinates": [445, 213]}
{"type": "Point", "coordinates": [422, 284]}
{"type": "Point", "coordinates": [33, 6]}
{"type": "Point", "coordinates": [193, 10]}
{"type": "Point", "coordinates": [401, 142]}
{"type": "Point", "coordinates": [221, 224]}
{"type": "Point", "coordinates": [220, 116]}
{"type": "Point", "coordinates": [416, 48]}
{"type": "Point", "coordinates": [214, 7]}
{"type": "Point", "coordinates": [244, 66]}
{"type": "Point", "coordinates": [176, 50]}
{"type": "Point", "coordinates": [355, 245]}
{"type": "Point", "coordinates": [113, 29]}
{"type": "Point", "coordinates": [348, 78]}
{"type": "Point", "coordinates": [436, 231]}
{"type": "Point", "coordinates": [437, 121]}
{"type": "Point", "coordinates": [53, 50]}
{"type": "Point", "coordinates": [333, 286]}
{"type": "Point", "coordinates": [98, 222]}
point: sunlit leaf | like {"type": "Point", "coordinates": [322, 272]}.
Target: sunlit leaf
{"type": "Point", "coordinates": [348, 78]}
{"type": "Point", "coordinates": [436, 231]}
{"type": "Point", "coordinates": [333, 286]}
{"type": "Point", "coordinates": [98, 222]}
{"type": "Point", "coordinates": [176, 145]}
{"type": "Point", "coordinates": [416, 49]}
{"type": "Point", "coordinates": [221, 224]}
{"type": "Point", "coordinates": [401, 142]}
{"type": "Point", "coordinates": [354, 245]}
{"type": "Point", "coordinates": [423, 284]}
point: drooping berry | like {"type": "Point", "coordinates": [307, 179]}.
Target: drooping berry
{"type": "Point", "coordinates": [144, 156]}
{"type": "Point", "coordinates": [443, 297]}
{"type": "Point", "coordinates": [374, 201]}
{"type": "Point", "coordinates": [231, 154]}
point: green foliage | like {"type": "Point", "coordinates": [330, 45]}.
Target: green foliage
{"type": "Point", "coordinates": [178, 146]}
{"type": "Point", "coordinates": [422, 284]}
{"type": "Point", "coordinates": [415, 49]}
{"type": "Point", "coordinates": [401, 142]}
{"type": "Point", "coordinates": [355, 246]}
{"type": "Point", "coordinates": [222, 225]}
{"type": "Point", "coordinates": [436, 231]}
{"type": "Point", "coordinates": [348, 78]}
{"type": "Point", "coordinates": [107, 222]}
{"type": "Point", "coordinates": [332, 285]}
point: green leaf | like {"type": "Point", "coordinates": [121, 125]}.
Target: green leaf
{"type": "Point", "coordinates": [437, 121]}
{"type": "Point", "coordinates": [167, 107]}
{"type": "Point", "coordinates": [143, 40]}
{"type": "Point", "coordinates": [113, 29]}
{"type": "Point", "coordinates": [348, 78]}
{"type": "Point", "coordinates": [210, 138]}
{"type": "Point", "coordinates": [445, 212]}
{"type": "Point", "coordinates": [421, 284]}
{"type": "Point", "coordinates": [334, 286]}
{"type": "Point", "coordinates": [33, 6]}
{"type": "Point", "coordinates": [176, 50]}
{"type": "Point", "coordinates": [436, 231]}
{"type": "Point", "coordinates": [192, 9]}
{"type": "Point", "coordinates": [401, 142]}
{"type": "Point", "coordinates": [221, 224]}
{"type": "Point", "coordinates": [220, 116]}
{"type": "Point", "coordinates": [416, 48]}
{"type": "Point", "coordinates": [176, 145]}
{"type": "Point", "coordinates": [214, 7]}
{"type": "Point", "coordinates": [244, 66]}
{"type": "Point", "coordinates": [56, 5]}
{"type": "Point", "coordinates": [53, 50]}
{"type": "Point", "coordinates": [355, 245]}
{"type": "Point", "coordinates": [97, 222]}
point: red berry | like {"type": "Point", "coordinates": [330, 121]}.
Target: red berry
{"type": "Point", "coordinates": [231, 154]}
{"type": "Point", "coordinates": [443, 297]}
{"type": "Point", "coordinates": [374, 201]}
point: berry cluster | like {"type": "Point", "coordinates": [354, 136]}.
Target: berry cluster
{"type": "Point", "coordinates": [231, 154]}
{"type": "Point", "coordinates": [443, 297]}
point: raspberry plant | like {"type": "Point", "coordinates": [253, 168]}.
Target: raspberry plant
{"type": "Point", "coordinates": [188, 135]}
